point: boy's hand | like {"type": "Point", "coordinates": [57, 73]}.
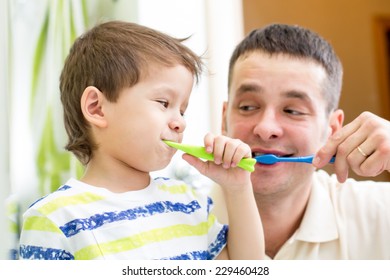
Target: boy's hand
{"type": "Point", "coordinates": [227, 154]}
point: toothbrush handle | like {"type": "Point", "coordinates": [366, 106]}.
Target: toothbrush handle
{"type": "Point", "coordinates": [247, 164]}
{"type": "Point", "coordinates": [200, 152]}
{"type": "Point", "coordinates": [307, 159]}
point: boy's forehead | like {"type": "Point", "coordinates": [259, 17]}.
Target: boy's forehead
{"type": "Point", "coordinates": [154, 67]}
{"type": "Point", "coordinates": [166, 76]}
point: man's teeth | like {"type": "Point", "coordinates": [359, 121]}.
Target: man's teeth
{"type": "Point", "coordinates": [255, 154]}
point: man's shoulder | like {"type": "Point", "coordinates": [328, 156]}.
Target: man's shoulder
{"type": "Point", "coordinates": [330, 181]}
{"type": "Point", "coordinates": [354, 194]}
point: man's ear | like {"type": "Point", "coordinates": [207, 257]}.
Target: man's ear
{"type": "Point", "coordinates": [336, 121]}
{"type": "Point", "coordinates": [92, 102]}
{"type": "Point", "coordinates": [224, 124]}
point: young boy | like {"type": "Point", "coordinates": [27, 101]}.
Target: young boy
{"type": "Point", "coordinates": [125, 88]}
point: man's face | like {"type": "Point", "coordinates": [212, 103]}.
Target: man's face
{"type": "Point", "coordinates": [276, 106]}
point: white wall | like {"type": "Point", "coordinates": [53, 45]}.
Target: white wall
{"type": "Point", "coordinates": [224, 31]}
{"type": "Point", "coordinates": [215, 27]}
{"type": "Point", "coordinates": [4, 144]}
{"type": "Point", "coordinates": [182, 19]}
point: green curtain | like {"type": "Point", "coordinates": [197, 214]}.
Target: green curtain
{"type": "Point", "coordinates": [64, 20]}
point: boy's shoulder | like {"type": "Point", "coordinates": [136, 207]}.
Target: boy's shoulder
{"type": "Point", "coordinates": [172, 185]}
{"type": "Point", "coordinates": [70, 190]}
{"type": "Point", "coordinates": [176, 188]}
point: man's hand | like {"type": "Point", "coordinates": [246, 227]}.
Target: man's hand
{"type": "Point", "coordinates": [362, 145]}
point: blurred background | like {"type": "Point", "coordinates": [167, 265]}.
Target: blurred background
{"type": "Point", "coordinates": [35, 37]}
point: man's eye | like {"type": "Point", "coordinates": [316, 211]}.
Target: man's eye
{"type": "Point", "coordinates": [293, 112]}
{"type": "Point", "coordinates": [247, 108]}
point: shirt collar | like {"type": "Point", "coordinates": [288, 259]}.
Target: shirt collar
{"type": "Point", "coordinates": [319, 222]}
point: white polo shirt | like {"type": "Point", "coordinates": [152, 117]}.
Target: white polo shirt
{"type": "Point", "coordinates": [342, 221]}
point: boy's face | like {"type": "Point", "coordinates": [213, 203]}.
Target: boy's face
{"type": "Point", "coordinates": [144, 115]}
{"type": "Point", "coordinates": [276, 106]}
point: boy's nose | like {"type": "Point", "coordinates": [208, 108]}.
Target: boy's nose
{"type": "Point", "coordinates": [178, 124]}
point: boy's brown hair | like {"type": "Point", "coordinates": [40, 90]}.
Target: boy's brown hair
{"type": "Point", "coordinates": [112, 56]}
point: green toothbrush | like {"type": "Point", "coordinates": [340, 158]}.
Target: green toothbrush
{"type": "Point", "coordinates": [200, 152]}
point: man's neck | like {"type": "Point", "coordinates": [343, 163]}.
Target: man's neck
{"type": "Point", "coordinates": [281, 217]}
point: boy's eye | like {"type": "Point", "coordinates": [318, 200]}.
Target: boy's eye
{"type": "Point", "coordinates": [166, 105]}
{"type": "Point", "coordinates": [163, 102]}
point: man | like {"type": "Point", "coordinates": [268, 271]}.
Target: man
{"type": "Point", "coordinates": [284, 87]}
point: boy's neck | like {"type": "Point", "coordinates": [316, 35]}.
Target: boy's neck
{"type": "Point", "coordinates": [115, 176]}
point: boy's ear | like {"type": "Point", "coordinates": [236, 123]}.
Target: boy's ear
{"type": "Point", "coordinates": [92, 102]}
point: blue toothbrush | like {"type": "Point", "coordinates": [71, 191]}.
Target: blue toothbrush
{"type": "Point", "coordinates": [272, 159]}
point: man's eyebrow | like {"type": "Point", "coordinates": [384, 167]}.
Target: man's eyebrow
{"type": "Point", "coordinates": [245, 88]}
{"type": "Point", "coordinates": [257, 89]}
{"type": "Point", "coordinates": [297, 95]}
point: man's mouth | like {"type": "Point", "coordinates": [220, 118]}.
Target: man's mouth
{"type": "Point", "coordinates": [255, 154]}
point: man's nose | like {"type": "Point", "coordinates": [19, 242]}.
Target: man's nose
{"type": "Point", "coordinates": [268, 126]}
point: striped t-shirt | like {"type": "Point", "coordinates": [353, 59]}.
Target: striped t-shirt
{"type": "Point", "coordinates": [166, 220]}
